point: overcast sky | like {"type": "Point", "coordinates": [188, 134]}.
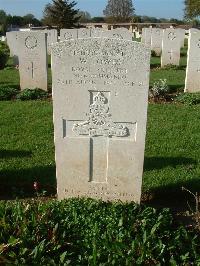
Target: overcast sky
{"type": "Point", "coordinates": [154, 8]}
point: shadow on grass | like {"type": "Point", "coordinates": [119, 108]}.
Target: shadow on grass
{"type": "Point", "coordinates": [14, 154]}
{"type": "Point", "coordinates": [176, 88]}
{"type": "Point", "coordinates": [19, 183]}
{"type": "Point", "coordinates": [9, 85]}
{"type": "Point", "coordinates": [154, 65]}
{"type": "Point", "coordinates": [173, 196]}
{"type": "Point", "coordinates": [152, 163]}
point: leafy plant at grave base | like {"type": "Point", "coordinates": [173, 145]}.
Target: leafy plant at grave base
{"type": "Point", "coordinates": [188, 98]}
{"type": "Point", "coordinates": [7, 93]}
{"type": "Point", "coordinates": [159, 90]}
{"type": "Point", "coordinates": [90, 232]}
{"type": "Point", "coordinates": [32, 94]}
{"type": "Point", "coordinates": [4, 54]}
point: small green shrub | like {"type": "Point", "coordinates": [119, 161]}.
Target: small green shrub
{"type": "Point", "coordinates": [159, 89]}
{"type": "Point", "coordinates": [89, 232]}
{"type": "Point", "coordinates": [4, 54]}
{"type": "Point", "coordinates": [188, 98]}
{"type": "Point", "coordinates": [7, 93]}
{"type": "Point", "coordinates": [32, 94]}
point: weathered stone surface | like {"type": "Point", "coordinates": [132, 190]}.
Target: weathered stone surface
{"type": "Point", "coordinates": [148, 32]}
{"type": "Point", "coordinates": [146, 36]}
{"type": "Point", "coordinates": [143, 35]}
{"type": "Point", "coordinates": [119, 33]}
{"type": "Point", "coordinates": [171, 46]}
{"type": "Point", "coordinates": [33, 60]}
{"type": "Point", "coordinates": [52, 37]}
{"type": "Point", "coordinates": [12, 41]}
{"type": "Point", "coordinates": [192, 82]}
{"type": "Point", "coordinates": [100, 93]}
{"type": "Point", "coordinates": [96, 32]}
{"type": "Point", "coordinates": [181, 33]}
{"type": "Point", "coordinates": [84, 33]}
{"type": "Point", "coordinates": [68, 34]}
{"type": "Point", "coordinates": [156, 40]}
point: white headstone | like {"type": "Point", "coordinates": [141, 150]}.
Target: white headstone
{"type": "Point", "coordinates": [100, 97]}
{"type": "Point", "coordinates": [33, 60]}
{"type": "Point", "coordinates": [137, 34]}
{"type": "Point", "coordinates": [181, 33]}
{"type": "Point", "coordinates": [170, 47]}
{"type": "Point", "coordinates": [52, 37]}
{"type": "Point", "coordinates": [192, 82]}
{"type": "Point", "coordinates": [12, 42]}
{"type": "Point", "coordinates": [96, 32]}
{"type": "Point", "coordinates": [156, 40]}
{"type": "Point", "coordinates": [84, 33]}
{"type": "Point", "coordinates": [68, 34]}
{"type": "Point", "coordinates": [119, 33]}
{"type": "Point", "coordinates": [143, 35]}
{"type": "Point", "coordinates": [148, 32]}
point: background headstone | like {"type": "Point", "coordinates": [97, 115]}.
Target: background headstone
{"type": "Point", "coordinates": [68, 34]}
{"type": "Point", "coordinates": [119, 33]}
{"type": "Point", "coordinates": [12, 42]}
{"type": "Point", "coordinates": [170, 47]}
{"type": "Point", "coordinates": [192, 82]}
{"type": "Point", "coordinates": [84, 33]}
{"type": "Point", "coordinates": [52, 37]}
{"type": "Point", "coordinates": [156, 40]}
{"type": "Point", "coordinates": [181, 33]}
{"type": "Point", "coordinates": [100, 97]}
{"type": "Point", "coordinates": [143, 35]}
{"type": "Point", "coordinates": [33, 60]}
{"type": "Point", "coordinates": [96, 33]}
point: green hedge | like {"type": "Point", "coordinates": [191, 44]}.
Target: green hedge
{"type": "Point", "coordinates": [89, 232]}
{"type": "Point", "coordinates": [4, 54]}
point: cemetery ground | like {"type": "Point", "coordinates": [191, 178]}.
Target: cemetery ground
{"type": "Point", "coordinates": [27, 168]}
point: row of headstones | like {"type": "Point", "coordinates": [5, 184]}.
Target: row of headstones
{"type": "Point", "coordinates": [168, 43]}
{"type": "Point", "coordinates": [30, 50]}
{"type": "Point", "coordinates": [33, 66]}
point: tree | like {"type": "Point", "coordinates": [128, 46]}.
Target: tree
{"type": "Point", "coordinates": [30, 19]}
{"type": "Point", "coordinates": [84, 16]}
{"type": "Point", "coordinates": [98, 19]}
{"type": "Point", "coordinates": [61, 14]}
{"type": "Point", "coordinates": [119, 10]}
{"type": "Point", "coordinates": [192, 9]}
{"type": "Point", "coordinates": [2, 17]}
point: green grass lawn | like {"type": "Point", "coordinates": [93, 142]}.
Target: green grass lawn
{"type": "Point", "coordinates": [172, 145]}
{"type": "Point", "coordinates": [27, 149]}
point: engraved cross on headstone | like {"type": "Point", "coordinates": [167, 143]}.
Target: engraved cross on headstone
{"type": "Point", "coordinates": [99, 128]}
{"type": "Point", "coordinates": [31, 69]}
{"type": "Point", "coordinates": [171, 54]}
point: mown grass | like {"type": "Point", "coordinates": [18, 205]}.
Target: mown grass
{"type": "Point", "coordinates": [171, 157]}
{"type": "Point", "coordinates": [172, 143]}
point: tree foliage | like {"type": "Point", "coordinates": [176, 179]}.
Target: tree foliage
{"type": "Point", "coordinates": [192, 9]}
{"type": "Point", "coordinates": [61, 13]}
{"type": "Point", "coordinates": [84, 16]}
{"type": "Point", "coordinates": [119, 10]}
{"type": "Point", "coordinates": [7, 20]}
